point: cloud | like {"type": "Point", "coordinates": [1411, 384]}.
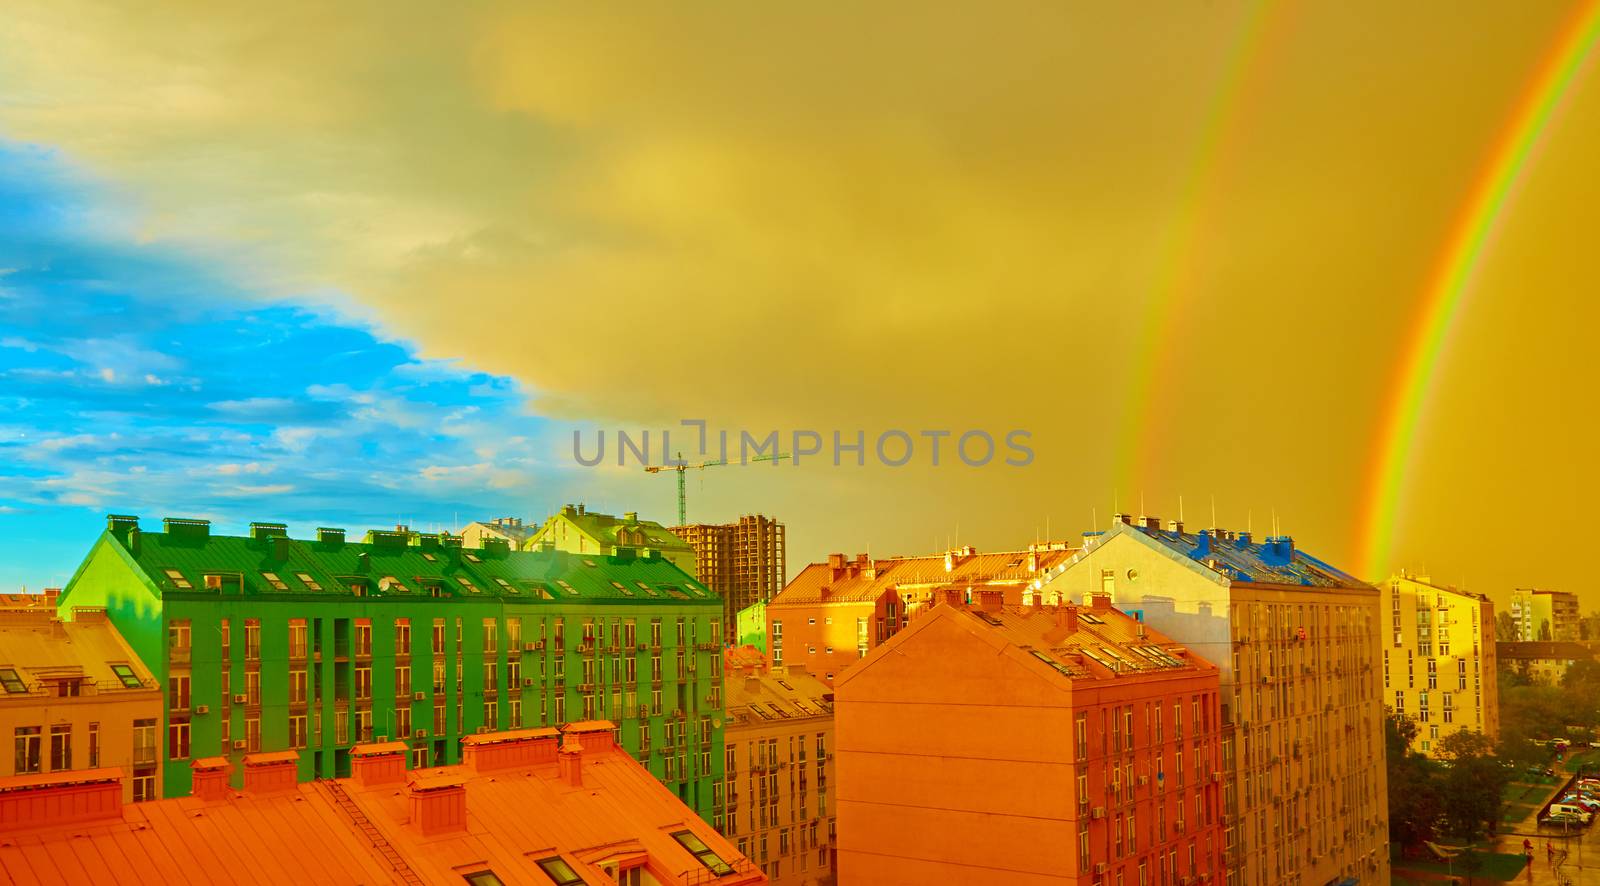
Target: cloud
{"type": "Point", "coordinates": [263, 491]}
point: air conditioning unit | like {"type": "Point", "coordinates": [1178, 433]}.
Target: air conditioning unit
{"type": "Point", "coordinates": [238, 744]}
{"type": "Point", "coordinates": [529, 646]}
{"type": "Point", "coordinates": [241, 698]}
{"type": "Point", "coordinates": [1099, 812]}
{"type": "Point", "coordinates": [202, 709]}
{"type": "Point", "coordinates": [420, 733]}
{"type": "Point", "coordinates": [527, 681]}
{"type": "Point", "coordinates": [583, 648]}
{"type": "Point", "coordinates": [418, 696]}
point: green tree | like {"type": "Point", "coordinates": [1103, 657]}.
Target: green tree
{"type": "Point", "coordinates": [1414, 802]}
{"type": "Point", "coordinates": [1505, 629]}
{"type": "Point", "coordinates": [1472, 786]}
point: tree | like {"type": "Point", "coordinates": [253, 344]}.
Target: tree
{"type": "Point", "coordinates": [1505, 629]}
{"type": "Point", "coordinates": [1544, 630]}
{"type": "Point", "coordinates": [1414, 802]}
{"type": "Point", "coordinates": [1473, 785]}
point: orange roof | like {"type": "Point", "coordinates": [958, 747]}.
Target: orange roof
{"type": "Point", "coordinates": [343, 832]}
{"type": "Point", "coordinates": [71, 776]}
{"type": "Point", "coordinates": [387, 747]}
{"type": "Point", "coordinates": [490, 737]}
{"type": "Point", "coordinates": [862, 581]}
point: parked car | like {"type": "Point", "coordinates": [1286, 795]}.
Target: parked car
{"type": "Point", "coordinates": [1588, 803]}
{"type": "Point", "coordinates": [1583, 814]}
{"type": "Point", "coordinates": [1562, 819]}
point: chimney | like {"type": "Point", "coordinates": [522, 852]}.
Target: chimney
{"type": "Point", "coordinates": [211, 778]}
{"type": "Point", "coordinates": [1153, 523]}
{"type": "Point", "coordinates": [509, 750]}
{"type": "Point", "coordinates": [991, 599]}
{"type": "Point", "coordinates": [268, 530]}
{"type": "Point", "coordinates": [836, 566]}
{"type": "Point", "coordinates": [1244, 537]}
{"type": "Point", "coordinates": [1124, 519]}
{"type": "Point", "coordinates": [570, 759]}
{"type": "Point", "coordinates": [1278, 551]}
{"type": "Point", "coordinates": [438, 801]}
{"type": "Point", "coordinates": [593, 736]}
{"type": "Point", "coordinates": [271, 773]}
{"type": "Point", "coordinates": [1033, 560]}
{"type": "Point", "coordinates": [280, 548]}
{"type": "Point", "coordinates": [954, 597]}
{"type": "Point", "coordinates": [376, 764]}
{"type": "Point", "coordinates": [631, 517]}
{"type": "Point", "coordinates": [1100, 602]}
{"type": "Point", "coordinates": [330, 536]}
{"type": "Point", "coordinates": [178, 526]}
{"type": "Point", "coordinates": [77, 795]}
{"type": "Point", "coordinates": [1175, 526]}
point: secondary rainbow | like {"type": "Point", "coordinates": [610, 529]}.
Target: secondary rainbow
{"type": "Point", "coordinates": [1456, 270]}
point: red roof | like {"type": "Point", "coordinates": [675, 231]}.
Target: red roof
{"type": "Point", "coordinates": [860, 580]}
{"type": "Point", "coordinates": [343, 832]}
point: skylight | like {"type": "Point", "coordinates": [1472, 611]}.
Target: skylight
{"type": "Point", "coordinates": [12, 682]}
{"type": "Point", "coordinates": [308, 581]}
{"type": "Point", "coordinates": [277, 583]}
{"type": "Point", "coordinates": [129, 679]}
{"type": "Point", "coordinates": [703, 853]}
{"type": "Point", "coordinates": [177, 579]}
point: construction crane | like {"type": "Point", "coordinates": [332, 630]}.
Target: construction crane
{"type": "Point", "coordinates": [682, 467]}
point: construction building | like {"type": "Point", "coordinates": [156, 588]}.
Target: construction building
{"type": "Point", "coordinates": [1439, 662]}
{"type": "Point", "coordinates": [1297, 643]}
{"type": "Point", "coordinates": [577, 530]}
{"type": "Point", "coordinates": [278, 644]}
{"type": "Point", "coordinates": [743, 562]}
{"type": "Point", "coordinates": [1009, 745]}
{"type": "Point", "coordinates": [510, 530]}
{"type": "Point", "coordinates": [832, 614]}
{"type": "Point", "coordinates": [779, 792]}
{"type": "Point", "coordinates": [523, 807]}
{"type": "Point", "coordinates": [74, 696]}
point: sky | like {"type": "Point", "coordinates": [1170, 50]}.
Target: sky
{"type": "Point", "coordinates": [378, 262]}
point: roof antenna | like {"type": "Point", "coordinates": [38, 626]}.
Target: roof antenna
{"type": "Point", "coordinates": [1213, 510]}
{"type": "Point", "coordinates": [1180, 507]}
{"type": "Point", "coordinates": [1094, 517]}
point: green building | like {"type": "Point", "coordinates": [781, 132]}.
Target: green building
{"type": "Point", "coordinates": [268, 643]}
{"type": "Point", "coordinates": [751, 626]}
{"type": "Point", "coordinates": [578, 530]}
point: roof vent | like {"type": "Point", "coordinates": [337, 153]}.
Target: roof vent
{"type": "Point", "coordinates": [328, 535]}
{"type": "Point", "coordinates": [268, 530]}
{"type": "Point", "coordinates": [185, 528]}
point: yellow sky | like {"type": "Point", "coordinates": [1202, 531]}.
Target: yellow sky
{"type": "Point", "coordinates": [903, 217]}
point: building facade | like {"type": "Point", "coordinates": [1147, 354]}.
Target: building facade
{"type": "Point", "coordinates": [1543, 616]}
{"type": "Point", "coordinates": [742, 562]}
{"type": "Point", "coordinates": [1298, 646]}
{"type": "Point", "coordinates": [74, 696]}
{"type": "Point", "coordinates": [779, 792]}
{"type": "Point", "coordinates": [510, 530]}
{"type": "Point", "coordinates": [998, 744]}
{"type": "Point", "coordinates": [578, 530]}
{"type": "Point", "coordinates": [523, 807]}
{"type": "Point", "coordinates": [1439, 662]}
{"type": "Point", "coordinates": [832, 614]}
{"type": "Point", "coordinates": [269, 643]}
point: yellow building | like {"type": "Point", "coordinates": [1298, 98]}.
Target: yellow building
{"type": "Point", "coordinates": [1305, 795]}
{"type": "Point", "coordinates": [1439, 659]}
{"type": "Point", "coordinates": [1545, 616]}
{"type": "Point", "coordinates": [578, 530]}
{"type": "Point", "coordinates": [74, 696]}
{"type": "Point", "coordinates": [778, 793]}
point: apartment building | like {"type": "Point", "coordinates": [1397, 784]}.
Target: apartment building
{"type": "Point", "coordinates": [526, 806]}
{"type": "Point", "coordinates": [779, 791]}
{"type": "Point", "coordinates": [743, 562]}
{"type": "Point", "coordinates": [832, 614]}
{"type": "Point", "coordinates": [74, 696]}
{"type": "Point", "coordinates": [1297, 642]}
{"type": "Point", "coordinates": [1439, 662]}
{"type": "Point", "coordinates": [578, 530]}
{"type": "Point", "coordinates": [268, 643]}
{"type": "Point", "coordinates": [999, 744]}
{"type": "Point", "coordinates": [511, 530]}
{"type": "Point", "coordinates": [1544, 616]}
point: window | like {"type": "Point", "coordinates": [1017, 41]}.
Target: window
{"type": "Point", "coordinates": [60, 747]}
{"type": "Point", "coordinates": [252, 639]}
{"type": "Point", "coordinates": [277, 583]}
{"type": "Point", "coordinates": [178, 693]}
{"type": "Point", "coordinates": [144, 786]}
{"type": "Point", "coordinates": [297, 638]}
{"type": "Point", "coordinates": [363, 683]}
{"type": "Point", "coordinates": [178, 637]}
{"type": "Point", "coordinates": [144, 742]}
{"type": "Point", "coordinates": [554, 867]}
{"type": "Point", "coordinates": [306, 579]}
{"type": "Point", "coordinates": [178, 740]}
{"type": "Point", "coordinates": [402, 684]}
{"type": "Point", "coordinates": [364, 637]}
{"type": "Point", "coordinates": [177, 579]}
{"type": "Point", "coordinates": [297, 731]}
{"type": "Point", "coordinates": [491, 633]}
{"type": "Point", "coordinates": [252, 688]}
{"type": "Point", "coordinates": [94, 745]}
{"type": "Point", "coordinates": [14, 685]}
{"type": "Point", "coordinates": [704, 853]}
{"type": "Point", "coordinates": [28, 745]}
{"type": "Point", "coordinates": [297, 687]}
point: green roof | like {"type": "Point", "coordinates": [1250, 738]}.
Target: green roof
{"type": "Point", "coordinates": [185, 557]}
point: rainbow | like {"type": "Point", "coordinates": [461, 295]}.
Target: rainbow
{"type": "Point", "coordinates": [1184, 242]}
{"type": "Point", "coordinates": [1452, 278]}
